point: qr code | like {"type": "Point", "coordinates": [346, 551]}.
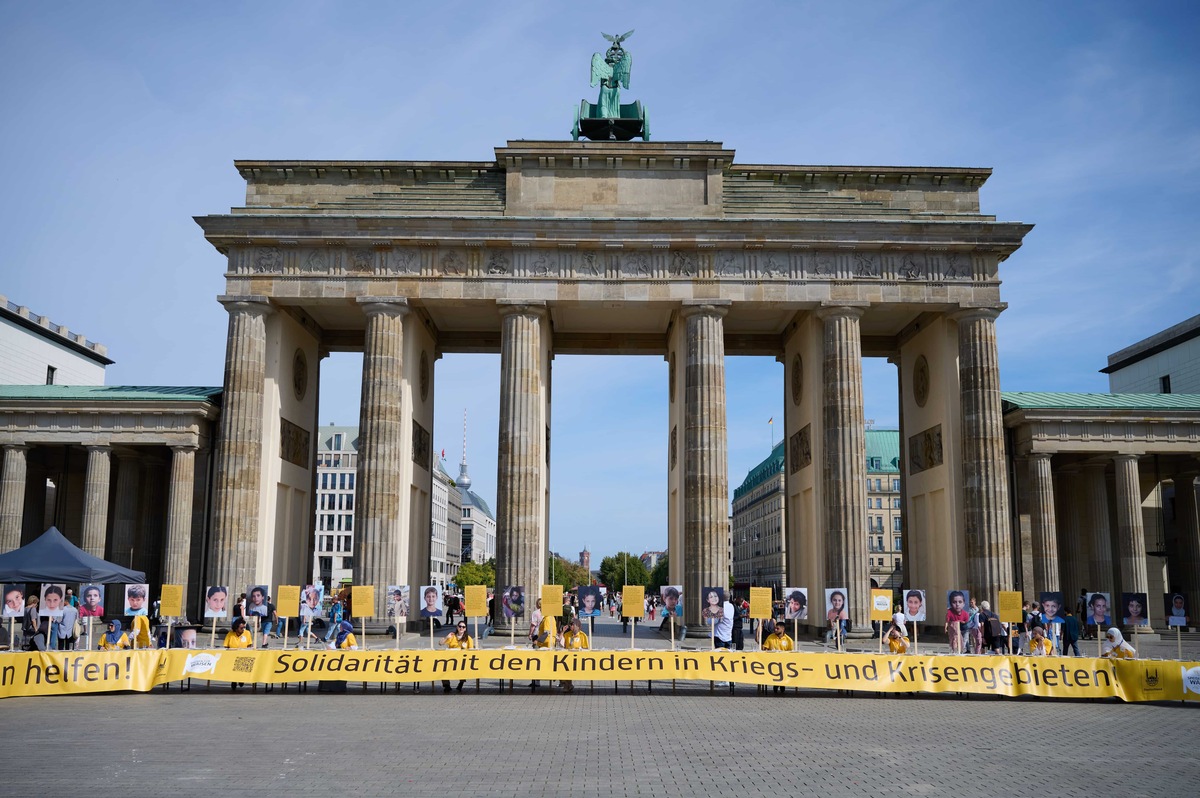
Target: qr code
{"type": "Point", "coordinates": [243, 664]}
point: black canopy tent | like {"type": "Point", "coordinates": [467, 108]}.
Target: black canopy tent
{"type": "Point", "coordinates": [53, 558]}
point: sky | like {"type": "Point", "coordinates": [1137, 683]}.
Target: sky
{"type": "Point", "coordinates": [121, 122]}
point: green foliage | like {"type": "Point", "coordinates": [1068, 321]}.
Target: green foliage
{"type": "Point", "coordinates": [472, 573]}
{"type": "Point", "coordinates": [661, 575]}
{"type": "Point", "coordinates": [567, 574]}
{"type": "Point", "coordinates": [613, 571]}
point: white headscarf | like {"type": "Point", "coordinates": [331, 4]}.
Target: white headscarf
{"type": "Point", "coordinates": [1115, 642]}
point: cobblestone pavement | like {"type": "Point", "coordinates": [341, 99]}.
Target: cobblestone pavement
{"type": "Point", "coordinates": [690, 741]}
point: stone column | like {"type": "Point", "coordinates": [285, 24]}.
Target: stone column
{"type": "Point", "coordinates": [12, 497]}
{"type": "Point", "coordinates": [985, 482]}
{"type": "Point", "coordinates": [179, 518]}
{"type": "Point", "coordinates": [706, 462]}
{"type": "Point", "coordinates": [238, 466]}
{"type": "Point", "coordinates": [378, 528]}
{"type": "Point", "coordinates": [1042, 522]}
{"type": "Point", "coordinates": [1095, 497]}
{"type": "Point", "coordinates": [519, 510]}
{"type": "Point", "coordinates": [1131, 537]}
{"type": "Point", "coordinates": [95, 499]}
{"type": "Point", "coordinates": [845, 464]}
{"type": "Point", "coordinates": [1187, 522]}
{"type": "Point", "coordinates": [125, 509]}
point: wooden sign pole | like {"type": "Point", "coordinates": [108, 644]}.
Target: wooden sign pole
{"type": "Point", "coordinates": [285, 632]}
{"type": "Point", "coordinates": [916, 642]}
{"type": "Point", "coordinates": [398, 622]}
{"type": "Point", "coordinates": [881, 634]}
{"type": "Point", "coordinates": [1178, 643]}
{"type": "Point", "coordinates": [632, 629]}
{"type": "Point", "coordinates": [796, 631]}
{"type": "Point", "coordinates": [672, 630]}
{"type": "Point", "coordinates": [212, 639]}
{"type": "Point", "coordinates": [168, 633]}
{"type": "Point", "coordinates": [1099, 637]}
{"type": "Point", "coordinates": [363, 647]}
{"type": "Point", "coordinates": [431, 634]}
{"type": "Point", "coordinates": [712, 627]}
{"type": "Point", "coordinates": [512, 632]}
{"type": "Point", "coordinates": [254, 637]}
{"type": "Point", "coordinates": [89, 631]}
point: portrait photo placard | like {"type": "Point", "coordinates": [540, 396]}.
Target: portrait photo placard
{"type": "Point", "coordinates": [712, 604]}
{"type": "Point", "coordinates": [256, 601]}
{"type": "Point", "coordinates": [512, 602]}
{"type": "Point", "coordinates": [216, 601]}
{"type": "Point", "coordinates": [53, 597]}
{"type": "Point", "coordinates": [672, 599]}
{"type": "Point", "coordinates": [91, 601]}
{"type": "Point", "coordinates": [137, 597]}
{"type": "Point", "coordinates": [589, 601]}
{"type": "Point", "coordinates": [14, 601]}
{"type": "Point", "coordinates": [1176, 609]}
{"type": "Point", "coordinates": [837, 606]}
{"type": "Point", "coordinates": [1134, 606]}
{"type": "Point", "coordinates": [914, 605]}
{"type": "Point", "coordinates": [795, 603]}
{"type": "Point", "coordinates": [431, 602]}
{"type": "Point", "coordinates": [1052, 606]}
{"type": "Point", "coordinates": [1099, 610]}
{"type": "Point", "coordinates": [398, 607]}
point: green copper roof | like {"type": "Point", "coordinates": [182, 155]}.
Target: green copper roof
{"type": "Point", "coordinates": [763, 471]}
{"type": "Point", "coordinates": [109, 393]}
{"type": "Point", "coordinates": [1028, 400]}
{"type": "Point", "coordinates": [883, 444]}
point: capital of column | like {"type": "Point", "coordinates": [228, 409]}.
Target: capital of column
{"type": "Point", "coordinates": [384, 305]}
{"type": "Point", "coordinates": [844, 310]}
{"type": "Point", "coordinates": [716, 308]}
{"type": "Point", "coordinates": [520, 307]}
{"type": "Point", "coordinates": [183, 447]}
{"type": "Point", "coordinates": [16, 447]}
{"type": "Point", "coordinates": [101, 448]}
{"type": "Point", "coordinates": [250, 303]}
{"type": "Point", "coordinates": [1041, 456]}
{"type": "Point", "coordinates": [1125, 457]}
{"type": "Point", "coordinates": [982, 313]}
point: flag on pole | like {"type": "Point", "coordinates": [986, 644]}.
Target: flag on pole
{"type": "Point", "coordinates": [771, 420]}
{"type": "Point", "coordinates": [443, 454]}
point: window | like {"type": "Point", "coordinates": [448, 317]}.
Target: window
{"type": "Point", "coordinates": [349, 502]}
{"type": "Point", "coordinates": [343, 482]}
{"type": "Point", "coordinates": [896, 503]}
{"type": "Point", "coordinates": [324, 482]}
{"type": "Point", "coordinates": [896, 485]}
{"type": "Point", "coordinates": [878, 483]}
{"type": "Point", "coordinates": [896, 524]}
{"type": "Point", "coordinates": [349, 523]}
{"type": "Point", "coordinates": [896, 540]}
{"type": "Point", "coordinates": [50, 372]}
{"type": "Point", "coordinates": [350, 486]}
{"type": "Point", "coordinates": [337, 441]}
{"type": "Point", "coordinates": [874, 463]}
{"type": "Point", "coordinates": [466, 512]}
{"type": "Point", "coordinates": [1164, 382]}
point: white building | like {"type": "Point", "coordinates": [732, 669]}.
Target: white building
{"type": "Point", "coordinates": [36, 351]}
{"type": "Point", "coordinates": [445, 549]}
{"type": "Point", "coordinates": [337, 462]}
{"type": "Point", "coordinates": [1166, 362]}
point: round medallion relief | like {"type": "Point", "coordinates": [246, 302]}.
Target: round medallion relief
{"type": "Point", "coordinates": [797, 379]}
{"type": "Point", "coordinates": [424, 376]}
{"type": "Point", "coordinates": [921, 381]}
{"type": "Point", "coordinates": [299, 374]}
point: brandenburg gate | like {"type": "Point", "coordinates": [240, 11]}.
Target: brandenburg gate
{"type": "Point", "coordinates": [668, 249]}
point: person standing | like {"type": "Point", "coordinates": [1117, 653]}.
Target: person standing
{"type": "Point", "coordinates": [995, 634]}
{"type": "Point", "coordinates": [974, 629]}
{"type": "Point", "coordinates": [545, 637]}
{"type": "Point", "coordinates": [67, 636]}
{"type": "Point", "coordinates": [778, 640]}
{"type": "Point", "coordinates": [273, 625]}
{"type": "Point", "coordinates": [458, 639]}
{"type": "Point", "coordinates": [535, 620]}
{"type": "Point", "coordinates": [740, 612]}
{"type": "Point", "coordinates": [574, 639]}
{"type": "Point", "coordinates": [335, 619]}
{"type": "Point", "coordinates": [723, 631]}
{"type": "Point", "coordinates": [1070, 634]}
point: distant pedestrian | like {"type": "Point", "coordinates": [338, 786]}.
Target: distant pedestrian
{"type": "Point", "coordinates": [1070, 634]}
{"type": "Point", "coordinates": [723, 631]}
{"type": "Point", "coordinates": [994, 633]}
{"type": "Point", "coordinates": [335, 618]}
{"type": "Point", "coordinates": [974, 629]}
{"type": "Point", "coordinates": [67, 635]}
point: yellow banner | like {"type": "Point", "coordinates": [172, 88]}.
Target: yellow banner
{"type": "Point", "coordinates": [1008, 606]}
{"type": "Point", "coordinates": [170, 601]}
{"type": "Point", "coordinates": [287, 600]}
{"type": "Point", "coordinates": [362, 601]}
{"type": "Point", "coordinates": [633, 601]}
{"type": "Point", "coordinates": [66, 672]}
{"type": "Point", "coordinates": [760, 602]}
{"type": "Point", "coordinates": [552, 600]}
{"type": "Point", "coordinates": [881, 605]}
{"type": "Point", "coordinates": [476, 598]}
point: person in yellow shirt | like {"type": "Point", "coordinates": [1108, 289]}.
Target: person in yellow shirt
{"type": "Point", "coordinates": [345, 637]}
{"type": "Point", "coordinates": [1039, 644]}
{"type": "Point", "coordinates": [1115, 646]}
{"type": "Point", "coordinates": [777, 641]}
{"type": "Point", "coordinates": [238, 637]}
{"type": "Point", "coordinates": [139, 630]}
{"type": "Point", "coordinates": [576, 639]}
{"type": "Point", "coordinates": [897, 643]}
{"type": "Point", "coordinates": [546, 637]}
{"type": "Point", "coordinates": [114, 639]}
{"type": "Point", "coordinates": [458, 639]}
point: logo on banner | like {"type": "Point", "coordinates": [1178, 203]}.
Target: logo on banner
{"type": "Point", "coordinates": [200, 663]}
{"type": "Point", "coordinates": [1191, 680]}
{"type": "Point", "coordinates": [1151, 678]}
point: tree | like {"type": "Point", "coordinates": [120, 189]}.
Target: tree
{"type": "Point", "coordinates": [661, 575]}
{"type": "Point", "coordinates": [613, 571]}
{"type": "Point", "coordinates": [567, 574]}
{"type": "Point", "coordinates": [473, 573]}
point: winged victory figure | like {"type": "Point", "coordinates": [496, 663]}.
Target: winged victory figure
{"type": "Point", "coordinates": [611, 71]}
{"type": "Point", "coordinates": [608, 119]}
